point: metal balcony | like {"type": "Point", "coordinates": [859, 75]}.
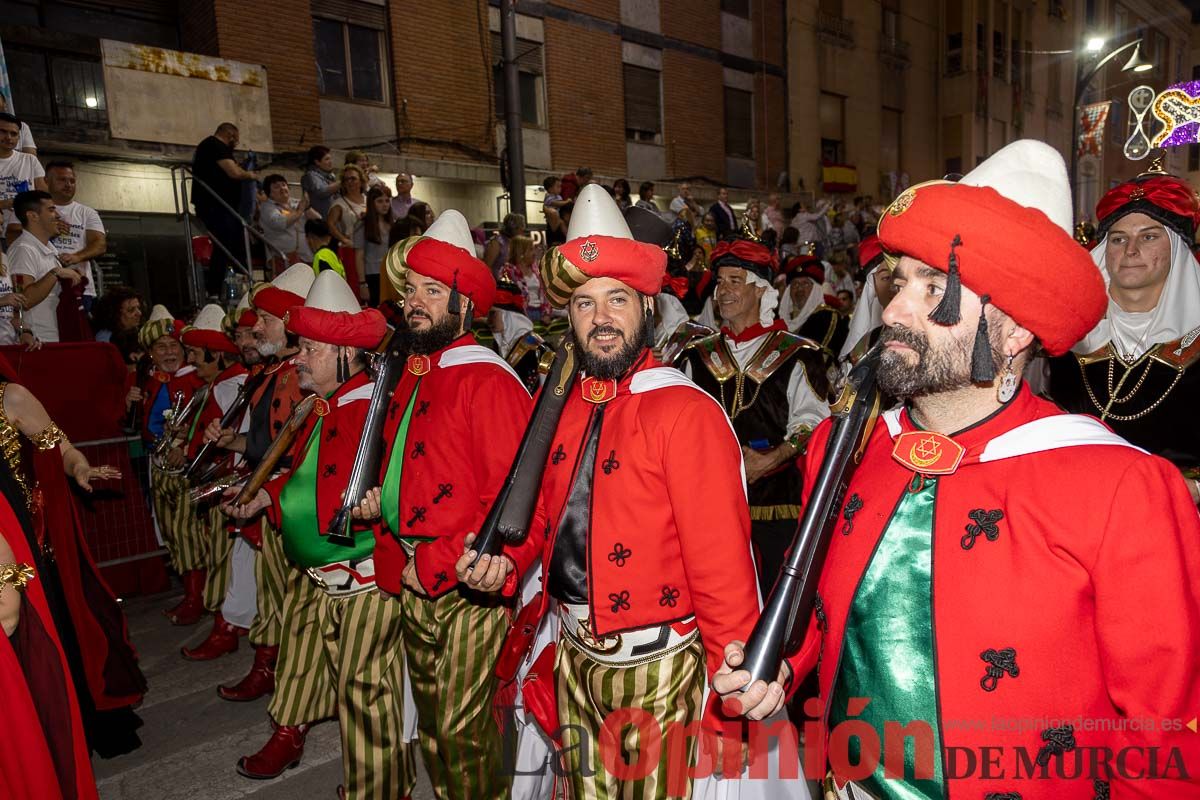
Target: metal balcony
{"type": "Point", "coordinates": [834, 30]}
{"type": "Point", "coordinates": [894, 53]}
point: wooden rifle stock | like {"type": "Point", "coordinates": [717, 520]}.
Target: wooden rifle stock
{"type": "Point", "coordinates": [780, 628]}
{"type": "Point", "coordinates": [277, 450]}
{"type": "Point", "coordinates": [228, 419]}
{"type": "Point", "coordinates": [364, 474]}
{"type": "Point", "coordinates": [508, 519]}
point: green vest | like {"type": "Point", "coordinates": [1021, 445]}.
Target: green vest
{"type": "Point", "coordinates": [389, 494]}
{"type": "Point", "coordinates": [326, 258]}
{"type": "Point", "coordinates": [888, 650]}
{"type": "Point", "coordinates": [304, 538]}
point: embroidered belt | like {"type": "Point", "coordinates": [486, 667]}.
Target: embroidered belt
{"type": "Point", "coordinates": [345, 578]}
{"type": "Point", "coordinates": [626, 649]}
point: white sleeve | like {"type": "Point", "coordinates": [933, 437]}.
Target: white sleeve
{"type": "Point", "coordinates": [20, 262]}
{"type": "Point", "coordinates": [226, 391]}
{"type": "Point", "coordinates": [805, 409]}
{"type": "Point", "coordinates": [25, 139]}
{"type": "Point", "coordinates": [91, 220]}
{"type": "Point", "coordinates": [37, 169]}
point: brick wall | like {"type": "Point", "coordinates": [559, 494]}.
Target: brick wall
{"type": "Point", "coordinates": [259, 32]}
{"type": "Point", "coordinates": [198, 28]}
{"type": "Point", "coordinates": [584, 89]}
{"type": "Point", "coordinates": [770, 128]}
{"type": "Point", "coordinates": [692, 21]}
{"type": "Point", "coordinates": [693, 115]}
{"type": "Point", "coordinates": [767, 18]}
{"type": "Point", "coordinates": [604, 9]}
{"type": "Point", "coordinates": [443, 78]}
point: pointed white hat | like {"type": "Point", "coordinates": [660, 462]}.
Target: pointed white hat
{"type": "Point", "coordinates": [289, 288]}
{"type": "Point", "coordinates": [1031, 174]}
{"type": "Point", "coordinates": [450, 227]}
{"type": "Point", "coordinates": [159, 313]}
{"type": "Point", "coordinates": [595, 213]}
{"type": "Point", "coordinates": [331, 314]}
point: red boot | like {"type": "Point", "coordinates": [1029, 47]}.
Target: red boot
{"type": "Point", "coordinates": [222, 639]}
{"type": "Point", "coordinates": [281, 752]}
{"type": "Point", "coordinates": [191, 608]}
{"type": "Point", "coordinates": [259, 681]}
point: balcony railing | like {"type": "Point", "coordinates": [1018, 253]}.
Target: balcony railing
{"type": "Point", "coordinates": [54, 87]}
{"type": "Point", "coordinates": [835, 30]}
{"type": "Point", "coordinates": [894, 52]}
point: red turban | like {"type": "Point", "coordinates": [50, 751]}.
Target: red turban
{"type": "Point", "coordinates": [752, 256]}
{"type": "Point", "coordinates": [215, 341]}
{"type": "Point", "coordinates": [570, 265]}
{"type": "Point", "coordinates": [1161, 197]}
{"type": "Point", "coordinates": [365, 328]}
{"type": "Point", "coordinates": [869, 250]}
{"type": "Point", "coordinates": [456, 268]}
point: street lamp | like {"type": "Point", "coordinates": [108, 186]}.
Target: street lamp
{"type": "Point", "coordinates": [1083, 78]}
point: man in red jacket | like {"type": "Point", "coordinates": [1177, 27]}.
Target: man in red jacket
{"type": "Point", "coordinates": [1010, 586]}
{"type": "Point", "coordinates": [648, 569]}
{"type": "Point", "coordinates": [453, 426]}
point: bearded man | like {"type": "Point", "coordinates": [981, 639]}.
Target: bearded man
{"type": "Point", "coordinates": [989, 562]}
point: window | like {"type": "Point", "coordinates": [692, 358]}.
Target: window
{"type": "Point", "coordinates": [349, 60]}
{"type": "Point", "coordinates": [1018, 62]}
{"type": "Point", "coordinates": [529, 75]}
{"type": "Point", "coordinates": [1160, 55]}
{"type": "Point", "coordinates": [999, 42]}
{"type": "Point", "coordinates": [739, 8]}
{"type": "Point", "coordinates": [832, 113]}
{"type": "Point", "coordinates": [643, 104]}
{"type": "Point", "coordinates": [952, 141]}
{"type": "Point", "coordinates": [831, 7]}
{"type": "Point", "coordinates": [954, 38]}
{"type": "Point", "coordinates": [739, 123]}
{"type": "Point", "coordinates": [891, 19]}
{"type": "Point", "coordinates": [57, 88]}
{"type": "Point", "coordinates": [1029, 70]}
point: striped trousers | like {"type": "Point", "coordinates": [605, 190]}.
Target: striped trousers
{"type": "Point", "coordinates": [668, 689]}
{"type": "Point", "coordinates": [185, 534]}
{"type": "Point", "coordinates": [451, 644]}
{"type": "Point", "coordinates": [220, 546]}
{"type": "Point", "coordinates": [271, 570]}
{"type": "Point", "coordinates": [343, 656]}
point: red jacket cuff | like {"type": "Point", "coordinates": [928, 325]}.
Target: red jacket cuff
{"type": "Point", "coordinates": [435, 565]}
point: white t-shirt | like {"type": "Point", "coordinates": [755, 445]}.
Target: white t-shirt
{"type": "Point", "coordinates": [8, 334]}
{"type": "Point", "coordinates": [25, 139]}
{"type": "Point", "coordinates": [17, 174]}
{"type": "Point", "coordinates": [28, 256]}
{"type": "Point", "coordinates": [81, 219]}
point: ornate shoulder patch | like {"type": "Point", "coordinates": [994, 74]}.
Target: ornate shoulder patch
{"type": "Point", "coordinates": [716, 357]}
{"type": "Point", "coordinates": [684, 338]}
{"type": "Point", "coordinates": [777, 351]}
{"type": "Point", "coordinates": [1183, 353]}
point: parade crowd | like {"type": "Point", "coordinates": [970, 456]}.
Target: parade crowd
{"type": "Point", "coordinates": [515, 513]}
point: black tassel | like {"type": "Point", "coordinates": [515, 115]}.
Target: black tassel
{"type": "Point", "coordinates": [948, 311]}
{"type": "Point", "coordinates": [983, 363]}
{"type": "Point", "coordinates": [455, 304]}
{"type": "Point", "coordinates": [343, 366]}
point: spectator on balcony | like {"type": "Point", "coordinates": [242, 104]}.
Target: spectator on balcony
{"type": "Point", "coordinates": [19, 172]}
{"type": "Point", "coordinates": [319, 181]}
{"type": "Point", "coordinates": [216, 190]}
{"type": "Point", "coordinates": [646, 197]}
{"type": "Point", "coordinates": [25, 142]}
{"type": "Point", "coordinates": [495, 255]}
{"type": "Point", "coordinates": [810, 224]}
{"type": "Point", "coordinates": [376, 227]}
{"type": "Point", "coordinates": [81, 237]}
{"type": "Point", "coordinates": [620, 192]}
{"type": "Point", "coordinates": [361, 160]}
{"type": "Point", "coordinates": [552, 205]}
{"type": "Point", "coordinates": [683, 199]}
{"type": "Point", "coordinates": [404, 200]}
{"type": "Point", "coordinates": [706, 234]}
{"type": "Point", "coordinates": [35, 269]}
{"type": "Point", "coordinates": [282, 218]}
{"type": "Point", "coordinates": [422, 215]}
{"type": "Point", "coordinates": [772, 215]}
{"type": "Point", "coordinates": [723, 216]}
{"type": "Point", "coordinates": [345, 219]}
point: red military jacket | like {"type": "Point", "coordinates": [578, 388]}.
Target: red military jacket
{"type": "Point", "coordinates": [1088, 573]}
{"type": "Point", "coordinates": [184, 380]}
{"type": "Point", "coordinates": [282, 390]}
{"type": "Point", "coordinates": [220, 397]}
{"type": "Point", "coordinates": [670, 528]}
{"type": "Point", "coordinates": [467, 420]}
{"type": "Point", "coordinates": [343, 413]}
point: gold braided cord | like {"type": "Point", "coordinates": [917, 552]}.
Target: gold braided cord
{"type": "Point", "coordinates": [10, 448]}
{"type": "Point", "coordinates": [1114, 391]}
{"type": "Point", "coordinates": [49, 437]}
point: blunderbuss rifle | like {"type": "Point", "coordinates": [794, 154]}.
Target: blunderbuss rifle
{"type": "Point", "coordinates": [780, 629]}
{"type": "Point", "coordinates": [176, 418]}
{"type": "Point", "coordinates": [364, 474]}
{"type": "Point", "coordinates": [509, 517]}
{"type": "Point", "coordinates": [228, 420]}
{"type": "Point", "coordinates": [278, 449]}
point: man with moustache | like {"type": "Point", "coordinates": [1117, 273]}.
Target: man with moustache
{"type": "Point", "coordinates": [989, 562]}
{"type": "Point", "coordinates": [170, 378]}
{"type": "Point", "coordinates": [1136, 370]}
{"type": "Point", "coordinates": [210, 350]}
{"type": "Point", "coordinates": [453, 426]}
{"type": "Point", "coordinates": [358, 667]}
{"type": "Point", "coordinates": [647, 568]}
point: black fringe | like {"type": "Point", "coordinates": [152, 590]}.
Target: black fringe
{"type": "Point", "coordinates": [948, 311]}
{"type": "Point", "coordinates": [983, 364]}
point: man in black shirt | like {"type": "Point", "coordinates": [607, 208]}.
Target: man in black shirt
{"type": "Point", "coordinates": [218, 174]}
